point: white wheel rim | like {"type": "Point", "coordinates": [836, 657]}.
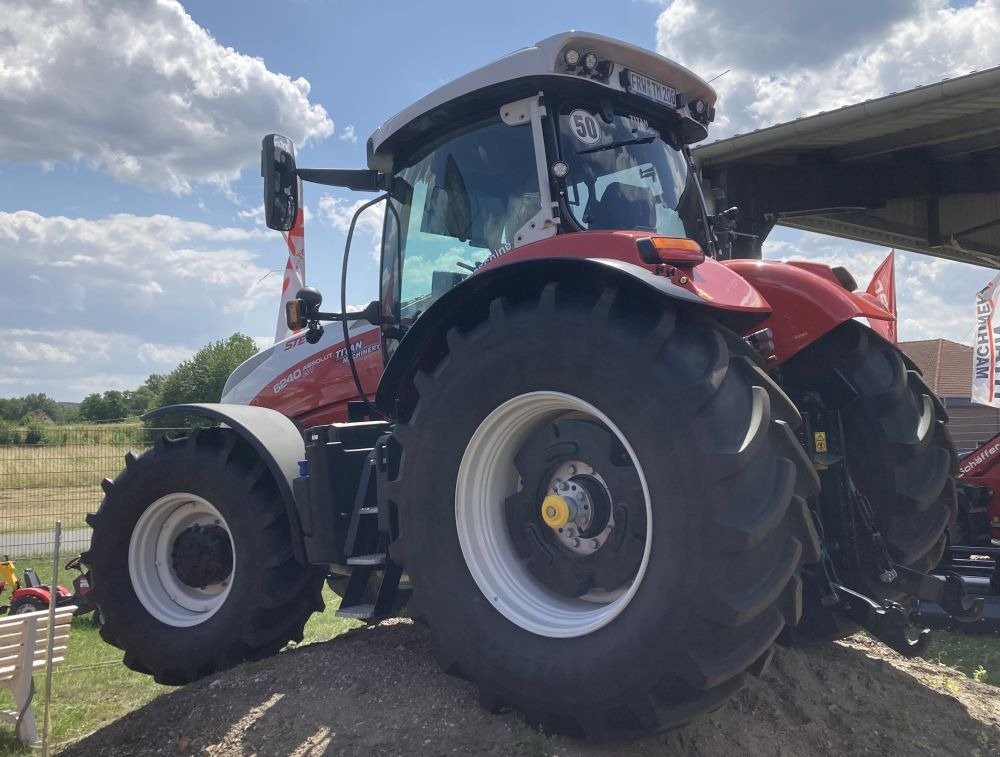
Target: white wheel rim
{"type": "Point", "coordinates": [161, 592]}
{"type": "Point", "coordinates": [486, 477]}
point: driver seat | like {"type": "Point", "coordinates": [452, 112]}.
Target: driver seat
{"type": "Point", "coordinates": [624, 206]}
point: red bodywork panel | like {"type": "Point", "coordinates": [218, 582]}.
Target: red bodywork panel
{"type": "Point", "coordinates": [800, 302]}
{"type": "Point", "coordinates": [807, 299]}
{"type": "Point", "coordinates": [38, 592]}
{"type": "Point", "coordinates": [316, 388]}
{"type": "Point", "coordinates": [983, 467]}
{"type": "Point", "coordinates": [709, 280]}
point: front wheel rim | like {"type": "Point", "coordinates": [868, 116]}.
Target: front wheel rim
{"type": "Point", "coordinates": [154, 578]}
{"type": "Point", "coordinates": [487, 476]}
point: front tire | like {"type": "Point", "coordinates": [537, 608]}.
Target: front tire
{"type": "Point", "coordinates": [191, 560]}
{"type": "Point", "coordinates": [682, 444]}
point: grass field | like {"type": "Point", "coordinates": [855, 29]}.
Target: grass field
{"type": "Point", "coordinates": [43, 483]}
{"type": "Point", "coordinates": [34, 466]}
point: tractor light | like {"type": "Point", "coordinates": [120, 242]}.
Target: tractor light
{"type": "Point", "coordinates": [572, 57]}
{"type": "Point", "coordinates": [560, 169]}
{"type": "Point", "coordinates": [590, 61]}
{"type": "Point", "coordinates": [295, 314]}
{"type": "Point", "coordinates": [675, 250]}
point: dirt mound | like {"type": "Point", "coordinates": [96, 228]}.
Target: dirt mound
{"type": "Point", "coordinates": [378, 691]}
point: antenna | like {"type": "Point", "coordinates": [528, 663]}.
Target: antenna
{"type": "Point", "coordinates": [720, 75]}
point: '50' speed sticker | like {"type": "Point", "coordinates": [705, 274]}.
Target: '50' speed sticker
{"type": "Point", "coordinates": [585, 127]}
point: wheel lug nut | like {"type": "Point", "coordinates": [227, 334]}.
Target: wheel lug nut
{"type": "Point", "coordinates": [576, 542]}
{"type": "Point", "coordinates": [595, 544]}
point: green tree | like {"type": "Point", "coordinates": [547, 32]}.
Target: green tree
{"type": "Point", "coordinates": [17, 409]}
{"type": "Point", "coordinates": [112, 405]}
{"type": "Point", "coordinates": [202, 378]}
{"type": "Point", "coordinates": [146, 397]}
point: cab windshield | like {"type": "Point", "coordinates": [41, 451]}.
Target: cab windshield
{"type": "Point", "coordinates": [625, 174]}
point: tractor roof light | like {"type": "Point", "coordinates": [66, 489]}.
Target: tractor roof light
{"type": "Point", "coordinates": [675, 250]}
{"type": "Point", "coordinates": [560, 169]}
{"type": "Point", "coordinates": [572, 57]}
{"type": "Point", "coordinates": [590, 61]}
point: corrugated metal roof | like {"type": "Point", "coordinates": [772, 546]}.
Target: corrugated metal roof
{"type": "Point", "coordinates": [918, 170]}
{"type": "Point", "coordinates": [946, 365]}
{"type": "Point", "coordinates": [890, 116]}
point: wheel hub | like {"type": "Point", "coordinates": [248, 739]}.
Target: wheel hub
{"type": "Point", "coordinates": [588, 520]}
{"type": "Point", "coordinates": [202, 555]}
{"type": "Point", "coordinates": [181, 559]}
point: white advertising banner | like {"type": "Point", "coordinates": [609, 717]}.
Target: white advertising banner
{"type": "Point", "coordinates": [985, 370]}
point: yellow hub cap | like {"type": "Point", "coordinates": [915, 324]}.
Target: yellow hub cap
{"type": "Point", "coordinates": [555, 511]}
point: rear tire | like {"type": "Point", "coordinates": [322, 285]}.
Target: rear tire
{"type": "Point", "coordinates": [899, 454]}
{"type": "Point", "coordinates": [192, 563]}
{"type": "Point", "coordinates": [718, 533]}
{"type": "Point", "coordinates": [27, 604]}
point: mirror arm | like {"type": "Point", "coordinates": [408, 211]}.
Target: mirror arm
{"type": "Point", "coordinates": [360, 180]}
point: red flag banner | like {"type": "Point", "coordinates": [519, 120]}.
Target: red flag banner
{"type": "Point", "coordinates": [883, 289]}
{"type": "Point", "coordinates": [985, 371]}
{"type": "Point", "coordinates": [295, 270]}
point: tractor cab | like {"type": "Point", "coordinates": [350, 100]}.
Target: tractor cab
{"type": "Point", "coordinates": [578, 132]}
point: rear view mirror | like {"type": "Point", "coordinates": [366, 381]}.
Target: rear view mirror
{"type": "Point", "coordinates": [281, 185]}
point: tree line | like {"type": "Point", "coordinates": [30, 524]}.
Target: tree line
{"type": "Point", "coordinates": [198, 379]}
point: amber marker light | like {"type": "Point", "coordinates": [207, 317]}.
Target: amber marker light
{"type": "Point", "coordinates": [293, 314]}
{"type": "Point", "coordinates": [676, 250]}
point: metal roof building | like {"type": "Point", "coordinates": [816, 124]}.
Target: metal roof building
{"type": "Point", "coordinates": [918, 170]}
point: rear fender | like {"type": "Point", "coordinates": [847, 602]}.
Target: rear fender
{"type": "Point", "coordinates": [732, 301]}
{"type": "Point", "coordinates": [807, 302]}
{"type": "Point", "coordinates": [275, 439]}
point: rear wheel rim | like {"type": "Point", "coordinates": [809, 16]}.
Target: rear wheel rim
{"type": "Point", "coordinates": [154, 578]}
{"type": "Point", "coordinates": [487, 476]}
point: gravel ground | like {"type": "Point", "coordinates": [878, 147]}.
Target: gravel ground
{"type": "Point", "coordinates": [377, 691]}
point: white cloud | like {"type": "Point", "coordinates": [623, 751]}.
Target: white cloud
{"type": "Point", "coordinates": [806, 56]}
{"type": "Point", "coordinates": [338, 212]}
{"type": "Point", "coordinates": [68, 364]}
{"type": "Point", "coordinates": [163, 355]}
{"type": "Point", "coordinates": [348, 135]}
{"type": "Point", "coordinates": [140, 91]}
{"type": "Point", "coordinates": [123, 295]}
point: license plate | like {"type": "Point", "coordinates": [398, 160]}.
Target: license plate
{"type": "Point", "coordinates": [637, 84]}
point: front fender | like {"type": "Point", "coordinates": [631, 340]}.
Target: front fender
{"type": "Point", "coordinates": [272, 436]}
{"type": "Point", "coordinates": [732, 300]}
{"type": "Point", "coordinates": [807, 302]}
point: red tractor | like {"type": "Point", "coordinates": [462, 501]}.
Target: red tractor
{"type": "Point", "coordinates": [606, 465]}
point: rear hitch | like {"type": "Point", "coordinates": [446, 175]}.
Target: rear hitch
{"type": "Point", "coordinates": [889, 623]}
{"type": "Point", "coordinates": [949, 594]}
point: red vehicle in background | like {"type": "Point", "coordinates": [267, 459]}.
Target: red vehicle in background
{"type": "Point", "coordinates": [978, 478]}
{"type": "Point", "coordinates": [31, 595]}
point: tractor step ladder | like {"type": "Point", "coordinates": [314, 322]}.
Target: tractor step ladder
{"type": "Point", "coordinates": [369, 596]}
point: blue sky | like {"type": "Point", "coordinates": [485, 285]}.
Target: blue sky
{"type": "Point", "coordinates": [130, 224]}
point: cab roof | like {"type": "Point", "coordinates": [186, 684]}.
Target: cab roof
{"type": "Point", "coordinates": [545, 59]}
